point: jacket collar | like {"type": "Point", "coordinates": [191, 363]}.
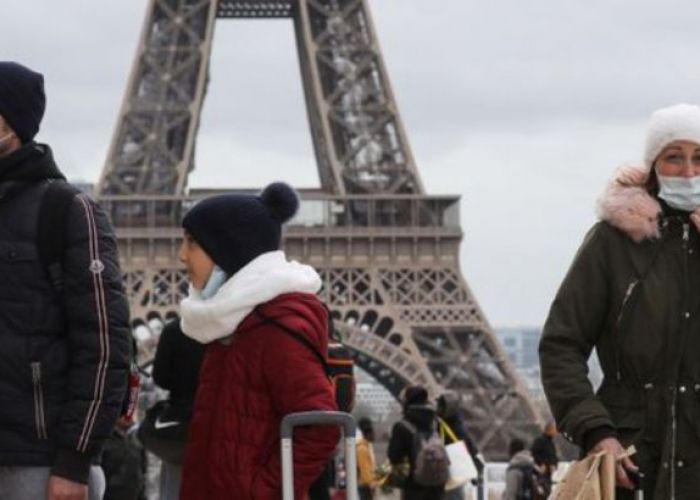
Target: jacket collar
{"type": "Point", "coordinates": [31, 163]}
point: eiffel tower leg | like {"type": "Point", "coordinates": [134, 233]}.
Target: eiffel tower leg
{"type": "Point", "coordinates": [359, 138]}
{"type": "Point", "coordinates": [152, 148]}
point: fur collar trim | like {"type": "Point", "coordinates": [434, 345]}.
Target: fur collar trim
{"type": "Point", "coordinates": [628, 206]}
{"type": "Point", "coordinates": [260, 281]}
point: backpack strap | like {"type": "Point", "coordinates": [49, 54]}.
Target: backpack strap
{"type": "Point", "coordinates": [52, 228]}
{"type": "Point", "coordinates": [408, 426]}
{"type": "Point", "coordinates": [298, 337]}
{"type": "Point", "coordinates": [416, 439]}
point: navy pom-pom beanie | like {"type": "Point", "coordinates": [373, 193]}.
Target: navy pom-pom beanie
{"type": "Point", "coordinates": [22, 99]}
{"type": "Point", "coordinates": [234, 229]}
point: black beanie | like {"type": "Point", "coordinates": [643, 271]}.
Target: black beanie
{"type": "Point", "coordinates": [233, 229]}
{"type": "Point", "coordinates": [22, 99]}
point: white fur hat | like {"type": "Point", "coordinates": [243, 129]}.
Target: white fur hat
{"type": "Point", "coordinates": [680, 122]}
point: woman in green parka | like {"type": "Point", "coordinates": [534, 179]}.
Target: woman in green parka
{"type": "Point", "coordinates": [633, 294]}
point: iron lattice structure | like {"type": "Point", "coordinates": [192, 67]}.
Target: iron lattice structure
{"type": "Point", "coordinates": [388, 252]}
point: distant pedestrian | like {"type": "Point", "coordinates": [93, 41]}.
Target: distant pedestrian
{"type": "Point", "coordinates": [366, 463]}
{"type": "Point", "coordinates": [544, 453]}
{"type": "Point", "coordinates": [448, 410]}
{"type": "Point", "coordinates": [632, 295]}
{"type": "Point", "coordinates": [265, 330]}
{"type": "Point", "coordinates": [408, 436]}
{"type": "Point", "coordinates": [176, 368]}
{"type": "Point", "coordinates": [520, 474]}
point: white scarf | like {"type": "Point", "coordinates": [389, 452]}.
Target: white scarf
{"type": "Point", "coordinates": [261, 280]}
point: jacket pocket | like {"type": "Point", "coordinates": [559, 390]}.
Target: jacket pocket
{"type": "Point", "coordinates": [39, 415]}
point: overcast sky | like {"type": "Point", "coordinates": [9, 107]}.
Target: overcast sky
{"type": "Point", "coordinates": [522, 108]}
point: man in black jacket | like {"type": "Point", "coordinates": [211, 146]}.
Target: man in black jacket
{"type": "Point", "coordinates": [64, 352]}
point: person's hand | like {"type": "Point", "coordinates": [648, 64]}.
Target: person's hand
{"type": "Point", "coordinates": [623, 465]}
{"type": "Point", "coordinates": [63, 489]}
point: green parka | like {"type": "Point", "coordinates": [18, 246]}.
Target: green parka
{"type": "Point", "coordinates": [633, 294]}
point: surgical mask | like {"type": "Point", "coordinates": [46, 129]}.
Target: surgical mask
{"type": "Point", "coordinates": [216, 279]}
{"type": "Point", "coordinates": [682, 193]}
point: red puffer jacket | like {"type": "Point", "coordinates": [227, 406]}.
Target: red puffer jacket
{"type": "Point", "coordinates": [245, 388]}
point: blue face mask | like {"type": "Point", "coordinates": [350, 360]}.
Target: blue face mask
{"type": "Point", "coordinates": [682, 193]}
{"type": "Point", "coordinates": [216, 279]}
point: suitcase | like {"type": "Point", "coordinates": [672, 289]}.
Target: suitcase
{"type": "Point", "coordinates": [344, 420]}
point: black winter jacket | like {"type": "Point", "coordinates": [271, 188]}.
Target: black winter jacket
{"type": "Point", "coordinates": [64, 357]}
{"type": "Point", "coordinates": [176, 369]}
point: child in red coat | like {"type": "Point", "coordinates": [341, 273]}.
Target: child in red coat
{"type": "Point", "coordinates": [254, 373]}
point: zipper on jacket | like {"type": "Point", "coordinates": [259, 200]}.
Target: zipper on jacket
{"type": "Point", "coordinates": [39, 417]}
{"type": "Point", "coordinates": [684, 334]}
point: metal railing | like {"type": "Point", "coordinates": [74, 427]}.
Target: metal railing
{"type": "Point", "coordinates": [317, 210]}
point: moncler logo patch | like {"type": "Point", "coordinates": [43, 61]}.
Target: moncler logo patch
{"type": "Point", "coordinates": [96, 266]}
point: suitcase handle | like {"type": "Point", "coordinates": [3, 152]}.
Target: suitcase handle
{"type": "Point", "coordinates": [336, 418]}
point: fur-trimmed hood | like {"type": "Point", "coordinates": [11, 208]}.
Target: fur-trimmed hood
{"type": "Point", "coordinates": [627, 205]}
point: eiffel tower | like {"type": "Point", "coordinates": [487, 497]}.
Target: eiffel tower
{"type": "Point", "coordinates": [387, 251]}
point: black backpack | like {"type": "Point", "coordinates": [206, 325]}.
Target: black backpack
{"type": "Point", "coordinates": [52, 228]}
{"type": "Point", "coordinates": [338, 364]}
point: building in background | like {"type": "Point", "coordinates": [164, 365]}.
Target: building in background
{"type": "Point", "coordinates": [521, 344]}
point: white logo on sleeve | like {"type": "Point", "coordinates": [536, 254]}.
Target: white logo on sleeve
{"type": "Point", "coordinates": [96, 266]}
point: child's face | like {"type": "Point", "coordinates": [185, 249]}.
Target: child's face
{"type": "Point", "coordinates": [198, 263]}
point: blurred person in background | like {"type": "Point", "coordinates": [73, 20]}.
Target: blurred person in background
{"type": "Point", "coordinates": [448, 410]}
{"type": "Point", "coordinates": [366, 463]}
{"type": "Point", "coordinates": [176, 368]}
{"type": "Point", "coordinates": [418, 425]}
{"type": "Point", "coordinates": [544, 453]}
{"type": "Point", "coordinates": [520, 473]}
